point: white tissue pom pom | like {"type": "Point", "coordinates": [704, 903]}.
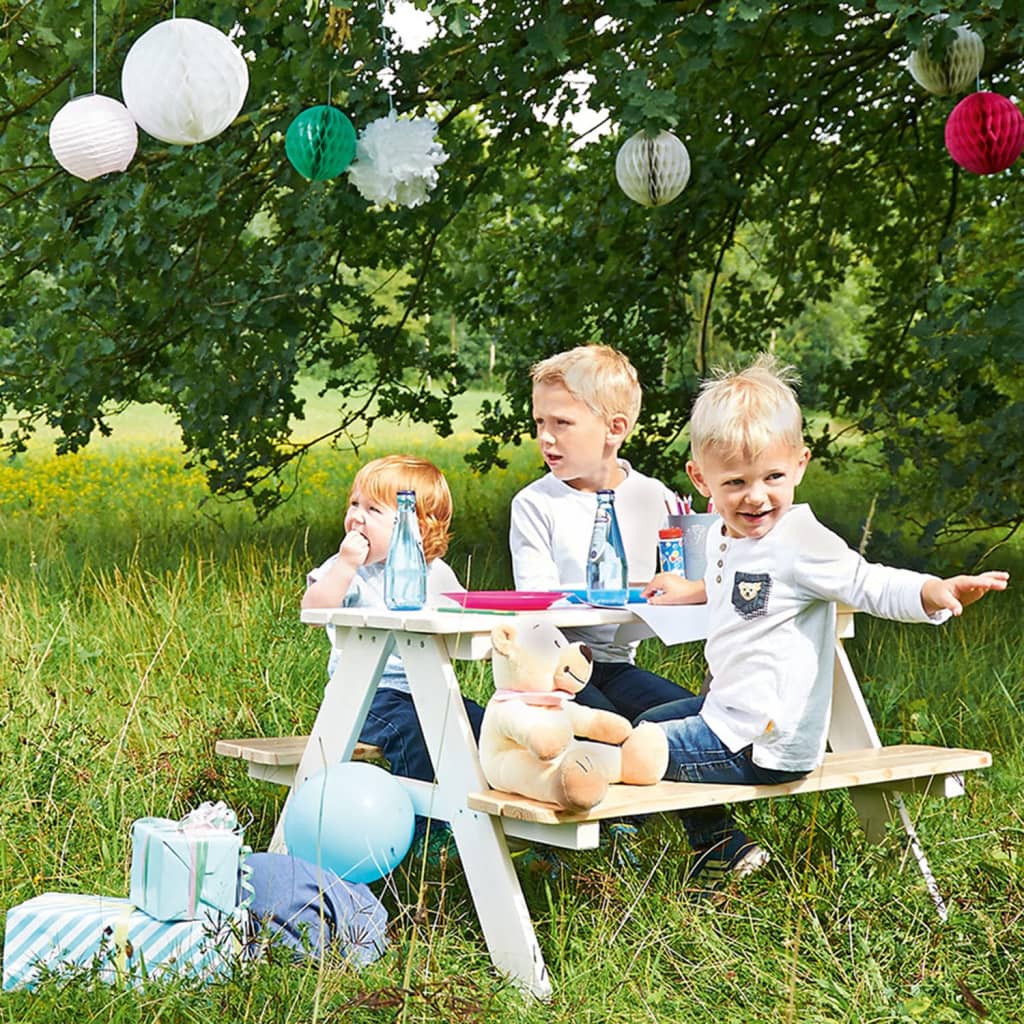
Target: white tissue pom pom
{"type": "Point", "coordinates": [397, 160]}
{"type": "Point", "coordinates": [652, 169]}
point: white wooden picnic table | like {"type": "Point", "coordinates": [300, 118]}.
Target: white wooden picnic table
{"type": "Point", "coordinates": [430, 640]}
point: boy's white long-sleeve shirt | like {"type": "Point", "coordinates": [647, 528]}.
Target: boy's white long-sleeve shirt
{"type": "Point", "coordinates": [770, 645]}
{"type": "Point", "coordinates": [549, 537]}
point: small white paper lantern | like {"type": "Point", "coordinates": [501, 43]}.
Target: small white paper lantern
{"type": "Point", "coordinates": [93, 135]}
{"type": "Point", "coordinates": [652, 169]}
{"type": "Point", "coordinates": [184, 81]}
{"type": "Point", "coordinates": [957, 71]}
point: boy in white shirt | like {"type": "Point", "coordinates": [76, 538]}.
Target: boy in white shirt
{"type": "Point", "coordinates": [773, 577]}
{"type": "Point", "coordinates": [585, 403]}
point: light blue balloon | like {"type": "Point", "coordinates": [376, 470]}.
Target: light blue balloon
{"type": "Point", "coordinates": [354, 819]}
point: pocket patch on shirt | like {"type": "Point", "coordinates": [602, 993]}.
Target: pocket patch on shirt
{"type": "Point", "coordinates": [750, 593]}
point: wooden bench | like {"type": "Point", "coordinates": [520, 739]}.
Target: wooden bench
{"type": "Point", "coordinates": [276, 758]}
{"type": "Point", "coordinates": [904, 768]}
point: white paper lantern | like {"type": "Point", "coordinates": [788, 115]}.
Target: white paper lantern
{"type": "Point", "coordinates": [957, 71]}
{"type": "Point", "coordinates": [93, 135]}
{"type": "Point", "coordinates": [652, 170]}
{"type": "Point", "coordinates": [184, 81]}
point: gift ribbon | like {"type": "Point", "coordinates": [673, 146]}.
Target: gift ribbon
{"type": "Point", "coordinates": [206, 819]}
{"type": "Point", "coordinates": [245, 878]}
{"type": "Point", "coordinates": [543, 699]}
{"type": "Point", "coordinates": [121, 926]}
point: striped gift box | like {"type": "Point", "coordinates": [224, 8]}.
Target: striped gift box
{"type": "Point", "coordinates": [106, 935]}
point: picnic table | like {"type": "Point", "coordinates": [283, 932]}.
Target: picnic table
{"type": "Point", "coordinates": [431, 640]}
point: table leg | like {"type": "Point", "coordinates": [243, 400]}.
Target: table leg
{"type": "Point", "coordinates": [343, 710]}
{"type": "Point", "coordinates": [493, 883]}
{"type": "Point", "coordinates": [853, 729]}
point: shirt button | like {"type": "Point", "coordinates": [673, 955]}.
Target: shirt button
{"type": "Point", "coordinates": [722, 548]}
{"type": "Point", "coordinates": [720, 563]}
{"type": "Point", "coordinates": [718, 579]}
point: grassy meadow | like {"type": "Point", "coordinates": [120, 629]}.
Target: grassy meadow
{"type": "Point", "coordinates": [140, 621]}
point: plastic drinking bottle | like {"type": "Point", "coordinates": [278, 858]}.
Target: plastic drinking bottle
{"type": "Point", "coordinates": [405, 569]}
{"type": "Point", "coordinates": [670, 550]}
{"type": "Point", "coordinates": [607, 569]}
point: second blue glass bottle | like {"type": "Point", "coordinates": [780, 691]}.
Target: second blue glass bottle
{"type": "Point", "coordinates": [405, 569]}
{"type": "Point", "coordinates": [607, 569]}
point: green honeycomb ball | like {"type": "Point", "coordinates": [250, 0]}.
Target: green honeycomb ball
{"type": "Point", "coordinates": [320, 143]}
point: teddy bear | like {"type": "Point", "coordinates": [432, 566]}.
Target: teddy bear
{"type": "Point", "coordinates": [537, 742]}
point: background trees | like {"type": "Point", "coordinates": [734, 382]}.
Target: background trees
{"type": "Point", "coordinates": [823, 217]}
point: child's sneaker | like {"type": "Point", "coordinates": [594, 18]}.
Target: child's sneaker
{"type": "Point", "coordinates": [437, 844]}
{"type": "Point", "coordinates": [734, 856]}
{"type": "Point", "coordinates": [623, 833]}
{"type": "Point", "coordinates": [540, 862]}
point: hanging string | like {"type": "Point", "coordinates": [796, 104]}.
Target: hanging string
{"type": "Point", "coordinates": [384, 31]}
{"type": "Point", "coordinates": [94, 46]}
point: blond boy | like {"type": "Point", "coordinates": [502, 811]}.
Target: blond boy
{"type": "Point", "coordinates": [774, 575]}
{"type": "Point", "coordinates": [585, 403]}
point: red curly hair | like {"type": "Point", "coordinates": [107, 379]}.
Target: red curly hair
{"type": "Point", "coordinates": [382, 479]}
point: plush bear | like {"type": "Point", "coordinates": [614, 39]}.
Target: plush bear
{"type": "Point", "coordinates": [529, 739]}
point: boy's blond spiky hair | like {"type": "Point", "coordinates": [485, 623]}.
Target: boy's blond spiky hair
{"type": "Point", "coordinates": [746, 411]}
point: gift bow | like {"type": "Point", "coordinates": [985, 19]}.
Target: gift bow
{"type": "Point", "coordinates": [210, 817]}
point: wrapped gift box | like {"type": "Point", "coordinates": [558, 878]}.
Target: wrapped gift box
{"type": "Point", "coordinates": [116, 943]}
{"type": "Point", "coordinates": [181, 869]}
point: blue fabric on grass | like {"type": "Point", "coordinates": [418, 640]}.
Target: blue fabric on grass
{"type": "Point", "coordinates": [310, 911]}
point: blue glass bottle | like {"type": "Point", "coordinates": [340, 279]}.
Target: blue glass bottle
{"type": "Point", "coordinates": [607, 569]}
{"type": "Point", "coordinates": [405, 569]}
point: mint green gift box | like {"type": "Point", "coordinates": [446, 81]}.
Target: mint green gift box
{"type": "Point", "coordinates": [182, 870]}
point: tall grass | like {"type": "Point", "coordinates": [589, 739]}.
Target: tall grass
{"type": "Point", "coordinates": [137, 626]}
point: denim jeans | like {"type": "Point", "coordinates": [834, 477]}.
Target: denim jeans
{"type": "Point", "coordinates": [621, 687]}
{"type": "Point", "coordinates": [696, 754]}
{"type": "Point", "coordinates": [392, 725]}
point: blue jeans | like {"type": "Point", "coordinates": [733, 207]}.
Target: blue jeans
{"type": "Point", "coordinates": [696, 754]}
{"type": "Point", "coordinates": [392, 725]}
{"type": "Point", "coordinates": [621, 687]}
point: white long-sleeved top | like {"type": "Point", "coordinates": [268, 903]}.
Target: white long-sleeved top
{"type": "Point", "coordinates": [367, 591]}
{"type": "Point", "coordinates": [549, 536]}
{"type": "Point", "coordinates": [770, 645]}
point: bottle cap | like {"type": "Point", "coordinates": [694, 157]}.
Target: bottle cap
{"type": "Point", "coordinates": [670, 533]}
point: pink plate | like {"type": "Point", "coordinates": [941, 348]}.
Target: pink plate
{"type": "Point", "coordinates": [507, 600]}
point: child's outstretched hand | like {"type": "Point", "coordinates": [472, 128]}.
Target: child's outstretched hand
{"type": "Point", "coordinates": [354, 549]}
{"type": "Point", "coordinates": [956, 593]}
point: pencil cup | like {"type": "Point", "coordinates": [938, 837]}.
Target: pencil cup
{"type": "Point", "coordinates": [695, 533]}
